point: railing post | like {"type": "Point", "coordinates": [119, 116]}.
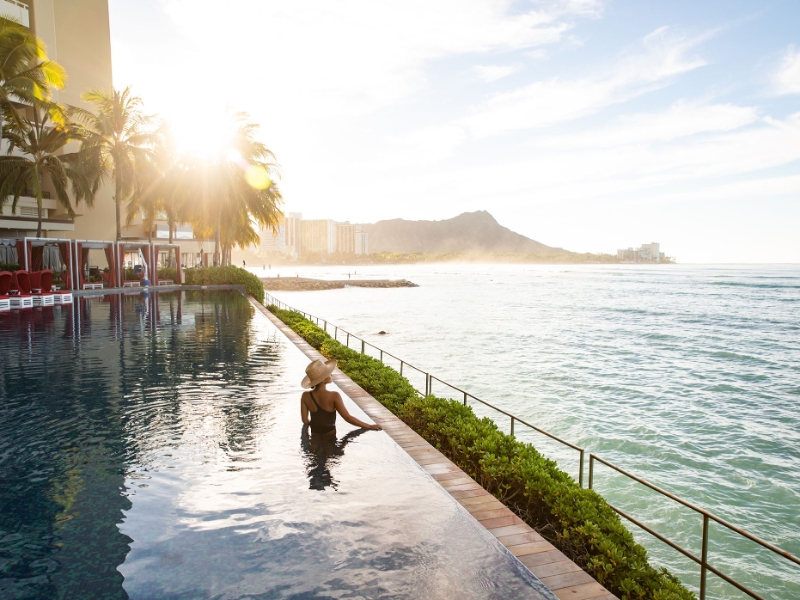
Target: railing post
{"type": "Point", "coordinates": [427, 383]}
{"type": "Point", "coordinates": [512, 426]}
{"type": "Point", "coordinates": [348, 339]}
{"type": "Point", "coordinates": [580, 473]}
{"type": "Point", "coordinates": [465, 398]}
{"type": "Point", "coordinates": [381, 356]}
{"type": "Point", "coordinates": [336, 334]}
{"type": "Point", "coordinates": [362, 346]}
{"type": "Point", "coordinates": [704, 558]}
{"type": "Point", "coordinates": [326, 326]}
{"type": "Point", "coordinates": [401, 368]}
{"type": "Point", "coordinates": [591, 470]}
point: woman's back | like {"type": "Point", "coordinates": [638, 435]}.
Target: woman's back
{"type": "Point", "coordinates": [323, 418]}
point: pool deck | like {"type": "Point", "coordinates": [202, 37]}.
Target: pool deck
{"type": "Point", "coordinates": [562, 576]}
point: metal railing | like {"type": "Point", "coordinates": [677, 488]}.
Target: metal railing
{"type": "Point", "coordinates": [707, 516]}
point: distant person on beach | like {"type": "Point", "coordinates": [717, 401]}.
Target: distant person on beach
{"type": "Point", "coordinates": [318, 406]}
{"type": "Point", "coordinates": [244, 265]}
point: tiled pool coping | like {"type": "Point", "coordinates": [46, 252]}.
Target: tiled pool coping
{"type": "Point", "coordinates": [562, 576]}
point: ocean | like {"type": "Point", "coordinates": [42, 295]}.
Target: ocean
{"type": "Point", "coordinates": [685, 375]}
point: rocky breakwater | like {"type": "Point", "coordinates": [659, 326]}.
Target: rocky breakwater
{"type": "Point", "coordinates": [305, 284]}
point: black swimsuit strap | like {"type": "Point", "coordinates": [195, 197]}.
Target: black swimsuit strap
{"type": "Point", "coordinates": [310, 393]}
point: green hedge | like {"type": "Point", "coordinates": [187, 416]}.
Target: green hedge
{"type": "Point", "coordinates": [225, 275]}
{"type": "Point", "coordinates": [9, 266]}
{"type": "Point", "coordinates": [577, 521]}
{"type": "Point", "coordinates": [168, 273]}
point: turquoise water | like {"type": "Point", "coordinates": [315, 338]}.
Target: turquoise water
{"type": "Point", "coordinates": [151, 447]}
{"type": "Point", "coordinates": [688, 376]}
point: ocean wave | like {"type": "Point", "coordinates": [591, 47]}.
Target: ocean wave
{"type": "Point", "coordinates": [755, 285]}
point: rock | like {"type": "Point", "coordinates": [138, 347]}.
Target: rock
{"type": "Point", "coordinates": [304, 284]}
{"type": "Point", "coordinates": [381, 332]}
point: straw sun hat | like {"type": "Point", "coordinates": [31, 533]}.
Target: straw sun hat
{"type": "Point", "coordinates": [317, 372]}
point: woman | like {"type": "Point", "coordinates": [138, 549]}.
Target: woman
{"type": "Point", "coordinates": [318, 406]}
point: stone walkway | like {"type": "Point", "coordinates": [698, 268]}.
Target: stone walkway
{"type": "Point", "coordinates": [562, 576]}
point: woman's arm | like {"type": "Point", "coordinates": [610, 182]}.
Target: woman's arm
{"type": "Point", "coordinates": [342, 410]}
{"type": "Point", "coordinates": [304, 410]}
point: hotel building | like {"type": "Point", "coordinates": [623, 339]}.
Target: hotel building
{"type": "Point", "coordinates": [645, 253]}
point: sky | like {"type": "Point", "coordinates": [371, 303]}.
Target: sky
{"type": "Point", "coordinates": [589, 125]}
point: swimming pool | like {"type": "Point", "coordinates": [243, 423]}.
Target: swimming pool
{"type": "Point", "coordinates": [151, 447]}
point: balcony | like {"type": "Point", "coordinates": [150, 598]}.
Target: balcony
{"type": "Point", "coordinates": [182, 232]}
{"type": "Point", "coordinates": [16, 10]}
{"type": "Point", "coordinates": [26, 216]}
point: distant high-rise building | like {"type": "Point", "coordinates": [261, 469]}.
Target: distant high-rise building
{"type": "Point", "coordinates": [346, 238]}
{"type": "Point", "coordinates": [317, 236]}
{"type": "Point", "coordinates": [293, 221]}
{"type": "Point", "coordinates": [273, 242]}
{"type": "Point", "coordinates": [649, 252]}
{"type": "Point", "coordinates": [361, 242]}
{"type": "Point", "coordinates": [645, 253]}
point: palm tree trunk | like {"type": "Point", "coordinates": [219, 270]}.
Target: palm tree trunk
{"type": "Point", "coordinates": [217, 238]}
{"type": "Point", "coordinates": [117, 192]}
{"type": "Point", "coordinates": [39, 209]}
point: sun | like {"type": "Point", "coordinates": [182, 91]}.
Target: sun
{"type": "Point", "coordinates": [202, 134]}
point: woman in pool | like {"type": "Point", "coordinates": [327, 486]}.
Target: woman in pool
{"type": "Point", "coordinates": [318, 406]}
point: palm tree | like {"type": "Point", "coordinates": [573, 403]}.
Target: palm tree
{"type": "Point", "coordinates": [25, 72]}
{"type": "Point", "coordinates": [116, 139]}
{"type": "Point", "coordinates": [237, 192]}
{"type": "Point", "coordinates": [40, 145]}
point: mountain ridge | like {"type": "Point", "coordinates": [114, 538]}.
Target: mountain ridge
{"type": "Point", "coordinates": [475, 232]}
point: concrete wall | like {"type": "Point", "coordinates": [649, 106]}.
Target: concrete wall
{"type": "Point", "coordinates": [78, 36]}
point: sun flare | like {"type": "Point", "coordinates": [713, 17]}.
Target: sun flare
{"type": "Point", "coordinates": [205, 134]}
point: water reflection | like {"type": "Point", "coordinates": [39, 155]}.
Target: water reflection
{"type": "Point", "coordinates": [88, 391]}
{"type": "Point", "coordinates": [323, 451]}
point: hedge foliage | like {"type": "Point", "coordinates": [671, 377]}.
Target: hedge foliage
{"type": "Point", "coordinates": [229, 275]}
{"type": "Point", "coordinates": [577, 521]}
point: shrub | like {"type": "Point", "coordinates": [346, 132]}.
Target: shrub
{"type": "Point", "coordinates": [577, 521]}
{"type": "Point", "coordinates": [229, 275]}
{"type": "Point", "coordinates": [168, 273]}
{"type": "Point", "coordinates": [9, 266]}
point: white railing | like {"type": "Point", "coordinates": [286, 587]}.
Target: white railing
{"type": "Point", "coordinates": [17, 10]}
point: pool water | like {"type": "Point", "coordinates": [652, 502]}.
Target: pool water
{"type": "Point", "coordinates": [151, 447]}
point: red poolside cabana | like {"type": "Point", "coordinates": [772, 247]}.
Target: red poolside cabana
{"type": "Point", "coordinates": [157, 249]}
{"type": "Point", "coordinates": [135, 248]}
{"type": "Point", "coordinates": [82, 248]}
{"type": "Point", "coordinates": [31, 252]}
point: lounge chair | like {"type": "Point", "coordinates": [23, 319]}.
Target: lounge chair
{"type": "Point", "coordinates": [22, 284]}
{"type": "Point", "coordinates": [5, 283]}
{"type": "Point", "coordinates": [43, 282]}
{"type": "Point", "coordinates": [63, 296]}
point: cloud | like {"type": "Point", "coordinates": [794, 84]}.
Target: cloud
{"type": "Point", "coordinates": [682, 119]}
{"type": "Point", "coordinates": [787, 76]}
{"type": "Point", "coordinates": [354, 56]}
{"type": "Point", "coordinates": [544, 103]}
{"type": "Point", "coordinates": [494, 72]}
